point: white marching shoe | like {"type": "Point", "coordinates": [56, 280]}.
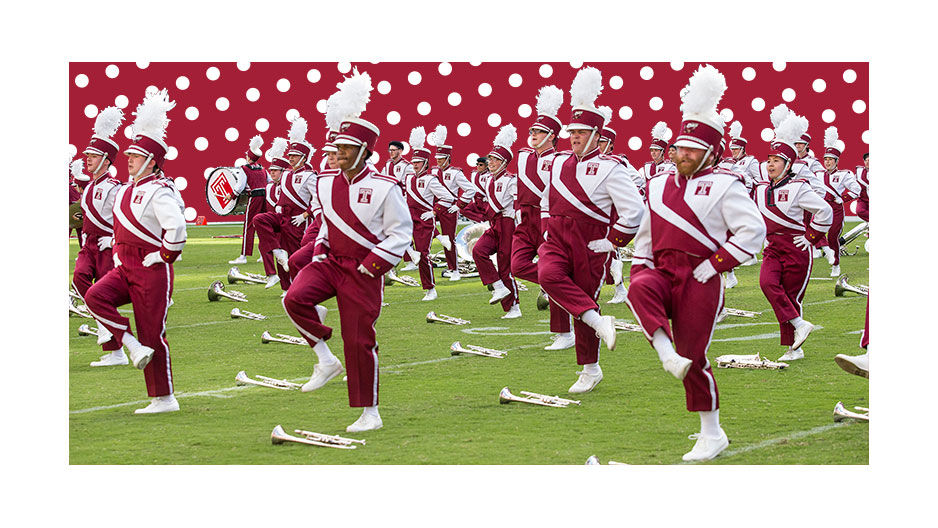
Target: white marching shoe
{"type": "Point", "coordinates": [586, 382]}
{"type": "Point", "coordinates": [858, 365]}
{"type": "Point", "coordinates": [321, 375]}
{"type": "Point", "coordinates": [104, 335]}
{"type": "Point", "coordinates": [792, 354]}
{"type": "Point", "coordinates": [117, 357]}
{"type": "Point", "coordinates": [615, 269]}
{"type": "Point", "coordinates": [272, 281]}
{"type": "Point", "coordinates": [160, 404]}
{"type": "Point", "coordinates": [430, 296]}
{"type": "Point", "coordinates": [607, 331]}
{"type": "Point", "coordinates": [722, 315]}
{"type": "Point", "coordinates": [677, 366]}
{"type": "Point", "coordinates": [562, 342]}
{"type": "Point", "coordinates": [514, 312]}
{"type": "Point", "coordinates": [454, 275]}
{"type": "Point", "coordinates": [707, 447]}
{"type": "Point", "coordinates": [835, 271]}
{"type": "Point", "coordinates": [731, 280]}
{"type": "Point", "coordinates": [828, 254]}
{"type": "Point", "coordinates": [620, 296]}
{"type": "Point", "coordinates": [499, 294]}
{"type": "Point", "coordinates": [445, 242]}
{"type": "Point", "coordinates": [410, 266]}
{"type": "Point", "coordinates": [801, 334]}
{"type": "Point", "coordinates": [140, 356]}
{"type": "Point", "coordinates": [240, 260]}
{"type": "Point", "coordinates": [321, 311]}
{"type": "Point", "coordinates": [282, 258]}
{"type": "Point", "coordinates": [260, 259]}
{"type": "Point", "coordinates": [365, 422]}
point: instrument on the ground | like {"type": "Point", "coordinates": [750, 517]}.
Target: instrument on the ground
{"type": "Point", "coordinates": [85, 330]}
{"type": "Point", "coordinates": [391, 277]}
{"type": "Point", "coordinates": [593, 461]}
{"type": "Point", "coordinates": [740, 313]}
{"type": "Point", "coordinates": [236, 275]}
{"type": "Point", "coordinates": [75, 216]}
{"type": "Point", "coordinates": [505, 396]}
{"type": "Point", "coordinates": [279, 436]}
{"type": "Point", "coordinates": [841, 413]}
{"type": "Point", "coordinates": [244, 314]}
{"type": "Point", "coordinates": [622, 325]}
{"type": "Point", "coordinates": [224, 191]}
{"type": "Point", "coordinates": [241, 378]}
{"type": "Point", "coordinates": [466, 239]}
{"type": "Point", "coordinates": [842, 286]}
{"type": "Point", "coordinates": [217, 290]}
{"type": "Point", "coordinates": [434, 317]}
{"type": "Point", "coordinates": [457, 348]}
{"type": "Point", "coordinates": [74, 295]}
{"type": "Point", "coordinates": [282, 338]}
{"type": "Point", "coordinates": [78, 309]}
{"type": "Point", "coordinates": [748, 361]}
{"type": "Point", "coordinates": [853, 234]}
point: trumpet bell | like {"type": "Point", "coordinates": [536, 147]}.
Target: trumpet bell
{"type": "Point", "coordinates": [217, 291]}
{"type": "Point", "coordinates": [467, 238]}
{"type": "Point", "coordinates": [842, 286]}
{"type": "Point", "coordinates": [504, 396]}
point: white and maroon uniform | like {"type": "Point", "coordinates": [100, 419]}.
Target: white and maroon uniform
{"type": "Point", "coordinates": [148, 217]}
{"type": "Point", "coordinates": [256, 189]}
{"type": "Point", "coordinates": [500, 191]}
{"type": "Point", "coordinates": [863, 203]}
{"type": "Point", "coordinates": [452, 180]}
{"type": "Point", "coordinates": [365, 222]}
{"type": "Point", "coordinates": [304, 255]}
{"type": "Point", "coordinates": [650, 169]}
{"type": "Point", "coordinates": [577, 208]}
{"type": "Point", "coordinates": [419, 201]}
{"type": "Point", "coordinates": [276, 230]}
{"type": "Point", "coordinates": [708, 216]}
{"type": "Point", "coordinates": [747, 167]}
{"type": "Point", "coordinates": [838, 186]}
{"type": "Point", "coordinates": [786, 268]}
{"type": "Point", "coordinates": [398, 170]}
{"type": "Point", "coordinates": [477, 208]}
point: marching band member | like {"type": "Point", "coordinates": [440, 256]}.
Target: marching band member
{"type": "Point", "coordinates": [396, 165]}
{"type": "Point", "coordinates": [787, 259]}
{"type": "Point", "coordinates": [581, 192]}
{"type": "Point", "coordinates": [840, 185]}
{"type": "Point", "coordinates": [256, 188]}
{"type": "Point", "coordinates": [278, 164]}
{"type": "Point", "coordinates": [446, 207]}
{"type": "Point", "coordinates": [533, 172]}
{"type": "Point", "coordinates": [420, 194]}
{"type": "Point", "coordinates": [745, 164]}
{"type": "Point", "coordinates": [149, 234]}
{"type": "Point", "coordinates": [95, 259]}
{"type": "Point", "coordinates": [475, 210]}
{"type": "Point", "coordinates": [365, 231]}
{"type": "Point", "coordinates": [863, 179]}
{"type": "Point", "coordinates": [77, 180]}
{"type": "Point", "coordinates": [700, 222]}
{"type": "Point", "coordinates": [860, 365]}
{"type": "Point", "coordinates": [660, 134]}
{"type": "Point", "coordinates": [303, 256]}
{"type": "Point", "coordinates": [280, 232]}
{"type": "Point", "coordinates": [497, 239]}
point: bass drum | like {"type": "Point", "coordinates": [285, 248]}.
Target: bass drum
{"type": "Point", "coordinates": [224, 191]}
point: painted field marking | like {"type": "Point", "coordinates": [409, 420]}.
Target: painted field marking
{"type": "Point", "coordinates": [775, 441]}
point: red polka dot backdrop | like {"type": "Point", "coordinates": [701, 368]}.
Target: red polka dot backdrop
{"type": "Point", "coordinates": [220, 106]}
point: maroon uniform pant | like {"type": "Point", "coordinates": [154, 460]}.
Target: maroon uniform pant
{"type": "Point", "coordinates": [149, 290]}
{"type": "Point", "coordinates": [572, 275]}
{"type": "Point", "coordinates": [276, 230]}
{"type": "Point", "coordinates": [527, 239]}
{"type": "Point", "coordinates": [448, 228]}
{"type": "Point", "coordinates": [475, 210]}
{"type": "Point", "coordinates": [93, 264]}
{"type": "Point", "coordinates": [303, 256]}
{"type": "Point", "coordinates": [423, 236]}
{"type": "Point", "coordinates": [837, 226]}
{"type": "Point", "coordinates": [670, 292]}
{"type": "Point", "coordinates": [496, 240]}
{"type": "Point", "coordinates": [865, 338]}
{"type": "Point", "coordinates": [784, 276]}
{"type": "Point", "coordinates": [256, 206]}
{"type": "Point", "coordinates": [359, 301]}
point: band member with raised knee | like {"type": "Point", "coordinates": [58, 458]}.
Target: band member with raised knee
{"type": "Point", "coordinates": [583, 188]}
{"type": "Point", "coordinates": [787, 259]}
{"type": "Point", "coordinates": [149, 234]}
{"type": "Point", "coordinates": [700, 222]}
{"type": "Point", "coordinates": [475, 210]}
{"type": "Point", "coordinates": [303, 256]}
{"type": "Point", "coordinates": [840, 185]}
{"type": "Point", "coordinates": [660, 134]}
{"type": "Point", "coordinates": [95, 259]}
{"type": "Point", "coordinates": [257, 189]}
{"type": "Point", "coordinates": [420, 195]}
{"type": "Point", "coordinates": [448, 204]}
{"type": "Point", "coordinates": [365, 229]}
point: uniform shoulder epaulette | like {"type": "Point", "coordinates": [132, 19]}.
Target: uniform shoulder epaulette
{"type": "Point", "coordinates": [525, 149]}
{"type": "Point", "coordinates": [385, 177]}
{"type": "Point", "coordinates": [727, 172]}
{"type": "Point", "coordinates": [454, 167]}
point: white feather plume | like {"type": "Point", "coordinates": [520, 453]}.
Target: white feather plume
{"type": "Point", "coordinates": [549, 100]}
{"type": "Point", "coordinates": [791, 128]}
{"type": "Point", "coordinates": [298, 130]}
{"type": "Point", "coordinates": [278, 148]}
{"type": "Point", "coordinates": [506, 137]}
{"type": "Point", "coordinates": [736, 129]}
{"type": "Point", "coordinates": [606, 113]}
{"type": "Point", "coordinates": [255, 144]}
{"type": "Point", "coordinates": [108, 121]}
{"type": "Point", "coordinates": [151, 114]}
{"type": "Point", "coordinates": [417, 137]}
{"type": "Point", "coordinates": [353, 96]}
{"type": "Point", "coordinates": [778, 114]}
{"type": "Point", "coordinates": [76, 168]}
{"type": "Point", "coordinates": [659, 131]}
{"type": "Point", "coordinates": [704, 91]}
{"type": "Point", "coordinates": [586, 87]}
{"type": "Point", "coordinates": [438, 136]}
{"type": "Point", "coordinates": [333, 116]}
{"type": "Point", "coordinates": [830, 137]}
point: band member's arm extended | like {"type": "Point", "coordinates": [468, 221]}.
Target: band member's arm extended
{"type": "Point", "coordinates": [628, 204]}
{"type": "Point", "coordinates": [398, 230]}
{"type": "Point", "coordinates": [642, 256]}
{"type": "Point", "coordinates": [169, 212]}
{"type": "Point", "coordinates": [744, 221]}
{"type": "Point", "coordinates": [468, 189]}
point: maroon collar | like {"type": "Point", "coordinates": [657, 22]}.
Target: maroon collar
{"type": "Point", "coordinates": [147, 179]}
{"type": "Point", "coordinates": [592, 154]}
{"type": "Point", "coordinates": [358, 177]}
{"type": "Point", "coordinates": [550, 150]}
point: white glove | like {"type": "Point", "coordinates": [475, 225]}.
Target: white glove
{"type": "Point", "coordinates": [601, 245]}
{"type": "Point", "coordinates": [545, 236]}
{"type": "Point", "coordinates": [426, 216]}
{"type": "Point", "coordinates": [319, 258]}
{"type": "Point", "coordinates": [361, 268]}
{"type": "Point", "coordinates": [278, 209]}
{"type": "Point", "coordinates": [105, 243]}
{"type": "Point", "coordinates": [152, 258]}
{"type": "Point", "coordinates": [453, 208]}
{"type": "Point", "coordinates": [117, 261]}
{"type": "Point", "coordinates": [704, 271]}
{"type": "Point", "coordinates": [801, 242]}
{"type": "Point", "coordinates": [84, 238]}
{"type": "Point", "coordinates": [298, 220]}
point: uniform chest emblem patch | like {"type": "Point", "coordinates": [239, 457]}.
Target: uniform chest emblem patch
{"type": "Point", "coordinates": [138, 198]}
{"type": "Point", "coordinates": [98, 194]}
{"type": "Point", "coordinates": [421, 184]}
{"type": "Point", "coordinates": [364, 195]}
{"type": "Point", "coordinates": [545, 164]}
{"type": "Point", "coordinates": [592, 169]}
{"type": "Point", "coordinates": [835, 178]}
{"type": "Point", "coordinates": [498, 187]}
{"type": "Point", "coordinates": [703, 188]}
{"type": "Point", "coordinates": [297, 179]}
{"type": "Point", "coordinates": [447, 177]}
{"type": "Point", "coordinates": [783, 195]}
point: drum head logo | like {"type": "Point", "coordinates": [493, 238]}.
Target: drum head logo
{"type": "Point", "coordinates": [364, 195]}
{"type": "Point", "coordinates": [592, 169]}
{"type": "Point", "coordinates": [703, 188]}
{"type": "Point", "coordinates": [221, 189]}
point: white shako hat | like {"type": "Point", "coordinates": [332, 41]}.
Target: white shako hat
{"type": "Point", "coordinates": [105, 126]}
{"type": "Point", "coordinates": [660, 134]}
{"type": "Point", "coordinates": [788, 129]}
{"type": "Point", "coordinates": [506, 137]}
{"type": "Point", "coordinates": [333, 122]}
{"type": "Point", "coordinates": [75, 168]}
{"type": "Point", "coordinates": [549, 100]}
{"type": "Point", "coordinates": [149, 126]}
{"type": "Point", "coordinates": [586, 87]}
{"type": "Point", "coordinates": [278, 156]}
{"type": "Point", "coordinates": [736, 135]}
{"type": "Point", "coordinates": [254, 152]}
{"type": "Point", "coordinates": [437, 138]}
{"type": "Point", "coordinates": [831, 140]}
{"type": "Point", "coordinates": [607, 133]}
{"type": "Point", "coordinates": [418, 152]}
{"type": "Point", "coordinates": [701, 124]}
{"type": "Point", "coordinates": [297, 136]}
{"type": "Point", "coordinates": [347, 106]}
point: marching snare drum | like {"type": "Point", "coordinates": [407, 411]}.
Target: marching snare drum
{"type": "Point", "coordinates": [222, 183]}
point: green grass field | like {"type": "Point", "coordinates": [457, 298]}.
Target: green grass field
{"type": "Point", "coordinates": [443, 409]}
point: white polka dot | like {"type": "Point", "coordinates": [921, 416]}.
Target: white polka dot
{"type": "Point", "coordinates": [515, 79]}
{"type": "Point", "coordinates": [112, 170]}
{"type": "Point", "coordinates": [525, 110]}
{"type": "Point", "coordinates": [394, 117]}
{"type": "Point", "coordinates": [182, 82]}
{"type": "Point", "coordinates": [81, 80]}
{"type": "Point", "coordinates": [321, 106]}
{"type": "Point", "coordinates": [292, 114]}
{"type": "Point", "coordinates": [828, 116]}
{"type": "Point", "coordinates": [129, 132]}
{"type": "Point", "coordinates": [283, 85]}
{"type": "Point", "coordinates": [151, 90]}
{"type": "Point", "coordinates": [727, 115]}
{"type": "Point", "coordinates": [244, 65]}
{"type": "Point", "coordinates": [121, 101]}
{"type": "Point", "coordinates": [788, 95]}
{"type": "Point", "coordinates": [384, 87]}
{"type": "Point", "coordinates": [865, 136]}
{"type": "Point", "coordinates": [625, 113]}
{"type": "Point", "coordinates": [208, 172]}
{"type": "Point", "coordinates": [576, 65]}
{"type": "Point", "coordinates": [677, 66]}
{"type": "Point", "coordinates": [172, 153]}
{"type": "Point", "coordinates": [850, 76]}
{"type": "Point", "coordinates": [253, 94]}
{"type": "Point", "coordinates": [749, 73]}
{"type": "Point", "coordinates": [859, 106]}
{"type": "Point", "coordinates": [143, 65]}
{"type": "Point", "coordinates": [231, 134]}
{"type": "Point", "coordinates": [414, 78]}
{"type": "Point", "coordinates": [201, 143]}
{"type": "Point", "coordinates": [192, 113]}
{"type": "Point", "coordinates": [71, 150]}
{"type": "Point", "coordinates": [655, 103]}
{"type": "Point", "coordinates": [546, 70]}
{"type": "Point", "coordinates": [313, 75]}
{"type": "Point", "coordinates": [222, 103]}
{"type": "Point", "coordinates": [767, 134]}
{"type": "Point", "coordinates": [819, 85]}
{"type": "Point", "coordinates": [445, 68]}
{"type": "Point", "coordinates": [181, 183]}
{"type": "Point", "coordinates": [262, 125]}
{"type": "Point", "coordinates": [494, 120]}
{"type": "Point", "coordinates": [758, 104]}
{"type": "Point", "coordinates": [646, 73]}
{"type": "Point", "coordinates": [475, 63]}
{"type": "Point", "coordinates": [375, 158]}
{"type": "Point", "coordinates": [344, 67]}
{"type": "Point", "coordinates": [615, 82]}
{"type": "Point", "coordinates": [454, 99]}
{"type": "Point", "coordinates": [91, 110]}
{"type": "Point", "coordinates": [778, 66]}
{"type": "Point", "coordinates": [212, 73]}
{"type": "Point", "coordinates": [112, 71]}
{"type": "Point", "coordinates": [471, 159]}
{"type": "Point", "coordinates": [190, 214]}
{"type": "Point", "coordinates": [635, 143]}
{"type": "Point", "coordinates": [564, 133]}
{"type": "Point", "coordinates": [840, 145]}
{"type": "Point", "coordinates": [485, 89]}
{"type": "Point", "coordinates": [406, 150]}
{"type": "Point", "coordinates": [463, 129]}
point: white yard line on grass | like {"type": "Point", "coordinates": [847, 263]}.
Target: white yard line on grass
{"type": "Point", "coordinates": [781, 439]}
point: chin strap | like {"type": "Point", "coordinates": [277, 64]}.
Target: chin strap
{"type": "Point", "coordinates": [143, 167]}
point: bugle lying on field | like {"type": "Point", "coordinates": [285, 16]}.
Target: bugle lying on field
{"type": "Point", "coordinates": [842, 286]}
{"type": "Point", "coordinates": [282, 338]}
{"type": "Point", "coordinates": [505, 396]}
{"type": "Point", "coordinates": [748, 361]}
{"type": "Point", "coordinates": [457, 348]}
{"type": "Point", "coordinates": [279, 436]}
{"type": "Point", "coordinates": [236, 275]}
{"type": "Point", "coordinates": [244, 314]}
{"type": "Point", "coordinates": [263, 381]}
{"type": "Point", "coordinates": [217, 290]}
{"type": "Point", "coordinates": [434, 317]}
